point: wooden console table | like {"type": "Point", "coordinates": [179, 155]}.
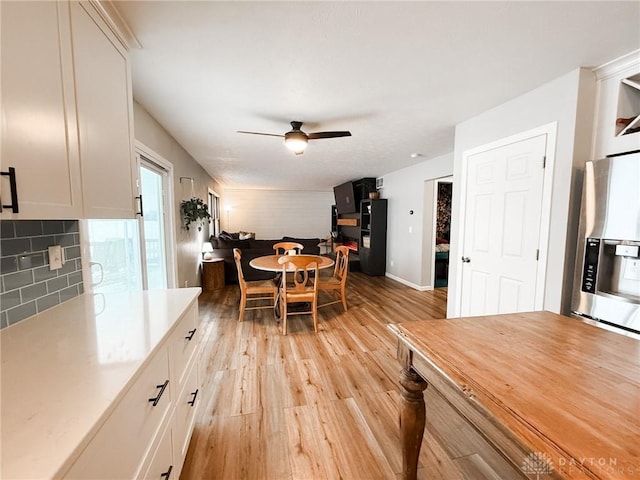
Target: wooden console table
{"type": "Point", "coordinates": [556, 397]}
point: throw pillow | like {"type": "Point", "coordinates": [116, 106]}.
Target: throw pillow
{"type": "Point", "coordinates": [246, 235]}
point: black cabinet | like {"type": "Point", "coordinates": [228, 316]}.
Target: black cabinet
{"type": "Point", "coordinates": [362, 188]}
{"type": "Point", "coordinates": [373, 236]}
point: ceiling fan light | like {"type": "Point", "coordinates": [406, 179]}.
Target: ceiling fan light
{"type": "Point", "coordinates": [296, 142]}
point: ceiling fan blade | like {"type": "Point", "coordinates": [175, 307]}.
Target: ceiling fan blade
{"type": "Point", "coordinates": [260, 133]}
{"type": "Point", "coordinates": [313, 136]}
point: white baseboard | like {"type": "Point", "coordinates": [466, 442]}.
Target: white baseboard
{"type": "Point", "coordinates": [409, 284]}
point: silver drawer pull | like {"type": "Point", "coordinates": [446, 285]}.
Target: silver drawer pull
{"type": "Point", "coordinates": [162, 387]}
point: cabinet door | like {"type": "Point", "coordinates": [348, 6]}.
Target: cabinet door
{"type": "Point", "coordinates": [617, 99]}
{"type": "Point", "coordinates": [104, 103]}
{"type": "Point", "coordinates": [119, 448]}
{"type": "Point", "coordinates": [38, 124]}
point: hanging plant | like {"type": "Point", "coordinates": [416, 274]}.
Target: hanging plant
{"type": "Point", "coordinates": [194, 210]}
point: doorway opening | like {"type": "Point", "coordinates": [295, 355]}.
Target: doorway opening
{"type": "Point", "coordinates": [444, 193]}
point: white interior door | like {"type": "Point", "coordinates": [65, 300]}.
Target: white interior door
{"type": "Point", "coordinates": [501, 233]}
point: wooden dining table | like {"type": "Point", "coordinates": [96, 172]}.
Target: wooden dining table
{"type": "Point", "coordinates": [556, 397]}
{"type": "Point", "coordinates": [269, 263]}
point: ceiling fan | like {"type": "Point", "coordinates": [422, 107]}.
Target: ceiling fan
{"type": "Point", "coordinates": [296, 140]}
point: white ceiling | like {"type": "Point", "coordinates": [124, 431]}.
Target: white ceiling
{"type": "Point", "coordinates": [398, 75]}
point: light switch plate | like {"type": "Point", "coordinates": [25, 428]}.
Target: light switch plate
{"type": "Point", "coordinates": [55, 257]}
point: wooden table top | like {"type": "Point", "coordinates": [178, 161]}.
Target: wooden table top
{"type": "Point", "coordinates": [566, 389]}
{"type": "Point", "coordinates": [270, 263]}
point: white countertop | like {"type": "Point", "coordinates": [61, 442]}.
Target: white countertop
{"type": "Point", "coordinates": [63, 369]}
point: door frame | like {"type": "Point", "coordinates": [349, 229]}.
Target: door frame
{"type": "Point", "coordinates": [550, 130]}
{"type": "Point", "coordinates": [170, 234]}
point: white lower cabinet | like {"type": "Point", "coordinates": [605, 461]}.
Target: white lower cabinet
{"type": "Point", "coordinates": [147, 434]}
{"type": "Point", "coordinates": [185, 414]}
{"type": "Point", "coordinates": [167, 456]}
{"type": "Point", "coordinates": [161, 466]}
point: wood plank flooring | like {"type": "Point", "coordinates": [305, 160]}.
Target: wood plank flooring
{"type": "Point", "coordinates": [313, 406]}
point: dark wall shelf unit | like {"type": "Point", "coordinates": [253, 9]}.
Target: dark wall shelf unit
{"type": "Point", "coordinates": [373, 236]}
{"type": "Point", "coordinates": [348, 226]}
{"type": "Point", "coordinates": [362, 188]}
{"type": "Point", "coordinates": [347, 235]}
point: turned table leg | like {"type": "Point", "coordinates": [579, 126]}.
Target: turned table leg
{"type": "Point", "coordinates": [412, 421]}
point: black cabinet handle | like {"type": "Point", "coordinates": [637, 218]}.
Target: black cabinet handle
{"type": "Point", "coordinates": [162, 387]}
{"type": "Point", "coordinates": [14, 190]}
{"type": "Point", "coordinates": [141, 212]}
{"type": "Point", "coordinates": [191, 334]}
{"type": "Point", "coordinates": [192, 402]}
{"type": "Point", "coordinates": [167, 474]}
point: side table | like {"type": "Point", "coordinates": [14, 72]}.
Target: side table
{"type": "Point", "coordinates": [213, 274]}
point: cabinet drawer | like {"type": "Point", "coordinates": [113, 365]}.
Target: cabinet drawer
{"type": "Point", "coordinates": [120, 445]}
{"type": "Point", "coordinates": [183, 344]}
{"type": "Point", "coordinates": [185, 414]}
{"type": "Point", "coordinates": [161, 466]}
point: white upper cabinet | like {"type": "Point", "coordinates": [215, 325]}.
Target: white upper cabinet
{"type": "Point", "coordinates": [38, 112]}
{"type": "Point", "coordinates": [617, 128]}
{"type": "Point", "coordinates": [105, 117]}
{"type": "Point", "coordinates": [67, 129]}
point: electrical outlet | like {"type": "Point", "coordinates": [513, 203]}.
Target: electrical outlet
{"type": "Point", "coordinates": [55, 257]}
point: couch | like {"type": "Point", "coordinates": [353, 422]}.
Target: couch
{"type": "Point", "coordinates": [252, 248]}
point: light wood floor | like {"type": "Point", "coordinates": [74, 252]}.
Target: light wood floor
{"type": "Point", "coordinates": [316, 406]}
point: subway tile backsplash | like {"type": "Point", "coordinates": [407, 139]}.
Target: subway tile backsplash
{"type": "Point", "coordinates": [27, 286]}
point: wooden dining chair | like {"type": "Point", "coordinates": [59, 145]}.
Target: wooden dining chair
{"type": "Point", "coordinates": [283, 248]}
{"type": "Point", "coordinates": [338, 281]}
{"type": "Point", "coordinates": [253, 291]}
{"type": "Point", "coordinates": [301, 288]}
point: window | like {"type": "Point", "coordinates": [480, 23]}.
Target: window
{"type": "Point", "coordinates": [214, 211]}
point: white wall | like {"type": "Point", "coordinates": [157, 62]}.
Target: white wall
{"type": "Point", "coordinates": [569, 101]}
{"type": "Point", "coordinates": [405, 191]}
{"type": "Point", "coordinates": [272, 214]}
{"type": "Point", "coordinates": [188, 243]}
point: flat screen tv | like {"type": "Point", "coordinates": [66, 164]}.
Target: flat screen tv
{"type": "Point", "coordinates": [345, 198]}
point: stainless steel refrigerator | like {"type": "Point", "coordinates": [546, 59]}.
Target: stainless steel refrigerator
{"type": "Point", "coordinates": [607, 274]}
